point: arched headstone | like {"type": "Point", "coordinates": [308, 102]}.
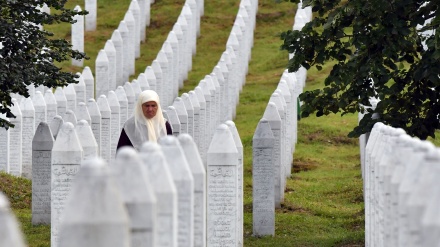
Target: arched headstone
{"type": "Point", "coordinates": [28, 128]}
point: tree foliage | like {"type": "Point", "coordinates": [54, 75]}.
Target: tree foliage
{"type": "Point", "coordinates": [28, 53]}
{"type": "Point", "coordinates": [384, 49]}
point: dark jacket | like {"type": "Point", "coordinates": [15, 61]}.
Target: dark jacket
{"type": "Point", "coordinates": [125, 141]}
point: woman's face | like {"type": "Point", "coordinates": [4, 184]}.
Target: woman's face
{"type": "Point", "coordinates": [149, 109]}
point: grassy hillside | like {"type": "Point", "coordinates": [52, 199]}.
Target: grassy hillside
{"type": "Point", "coordinates": [323, 200]}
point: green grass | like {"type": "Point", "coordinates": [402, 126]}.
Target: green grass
{"type": "Point", "coordinates": [323, 200]}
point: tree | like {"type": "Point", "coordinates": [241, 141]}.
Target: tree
{"type": "Point", "coordinates": [28, 53]}
{"type": "Point", "coordinates": [384, 49]}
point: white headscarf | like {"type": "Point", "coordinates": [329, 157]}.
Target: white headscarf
{"type": "Point", "coordinates": [140, 129]}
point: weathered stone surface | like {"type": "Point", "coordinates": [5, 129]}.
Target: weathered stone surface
{"type": "Point", "coordinates": [82, 112]}
{"type": "Point", "coordinates": [110, 51]}
{"type": "Point", "coordinates": [104, 108]}
{"type": "Point", "coordinates": [55, 125]}
{"type": "Point", "coordinates": [40, 108]}
{"type": "Point", "coordinates": [61, 101]}
{"type": "Point", "coordinates": [87, 139]}
{"type": "Point", "coordinates": [70, 117]}
{"type": "Point", "coordinates": [95, 119]}
{"type": "Point", "coordinates": [123, 103]}
{"type": "Point", "coordinates": [102, 66]}
{"type": "Point", "coordinates": [70, 93]}
{"type": "Point", "coordinates": [51, 105]}
{"type": "Point", "coordinates": [119, 48]}
{"type": "Point", "coordinates": [115, 124]}
{"type": "Point", "coordinates": [77, 33]}
{"type": "Point", "coordinates": [89, 81]}
{"type": "Point", "coordinates": [28, 130]}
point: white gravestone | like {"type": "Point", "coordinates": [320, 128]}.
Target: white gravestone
{"type": "Point", "coordinates": [182, 62]}
{"type": "Point", "coordinates": [136, 88]}
{"type": "Point", "coordinates": [87, 140]}
{"type": "Point", "coordinates": [143, 18]}
{"type": "Point", "coordinates": [123, 30]}
{"type": "Point", "coordinates": [55, 125]}
{"type": "Point", "coordinates": [138, 197]}
{"type": "Point", "coordinates": [184, 181]}
{"type": "Point", "coordinates": [190, 112]}
{"type": "Point", "coordinates": [4, 146]}
{"type": "Point", "coordinates": [143, 82]}
{"type": "Point", "coordinates": [173, 119]}
{"type": "Point", "coordinates": [131, 26]}
{"type": "Point", "coordinates": [198, 171]}
{"type": "Point", "coordinates": [66, 161]}
{"type": "Point", "coordinates": [51, 105]}
{"type": "Point", "coordinates": [222, 185]}
{"type": "Point", "coordinates": [89, 81]}
{"type": "Point", "coordinates": [158, 73]}
{"type": "Point", "coordinates": [170, 90]}
{"type": "Point", "coordinates": [10, 232]}
{"type": "Point", "coordinates": [151, 77]}
{"type": "Point", "coordinates": [40, 108]}
{"type": "Point", "coordinates": [179, 105]}
{"type": "Point", "coordinates": [41, 174]}
{"type": "Point", "coordinates": [196, 122]}
{"type": "Point", "coordinates": [203, 141]}
{"type": "Point", "coordinates": [70, 117]}
{"type": "Point", "coordinates": [165, 68]}
{"type": "Point", "coordinates": [115, 124]}
{"type": "Point", "coordinates": [28, 130]}
{"type": "Point", "coordinates": [174, 43]}
{"type": "Point", "coordinates": [110, 51]}
{"type": "Point", "coordinates": [123, 103]}
{"type": "Point", "coordinates": [105, 110]}
{"type": "Point", "coordinates": [160, 178]}
{"type": "Point", "coordinates": [90, 19]}
{"type": "Point", "coordinates": [80, 88]}
{"type": "Point", "coordinates": [278, 99]}
{"type": "Point", "coordinates": [223, 87]}
{"type": "Point", "coordinates": [82, 113]}
{"type": "Point", "coordinates": [207, 82]}
{"type": "Point", "coordinates": [95, 118]}
{"type": "Point", "coordinates": [135, 11]}
{"type": "Point", "coordinates": [61, 101]}
{"type": "Point", "coordinates": [100, 219]}
{"type": "Point", "coordinates": [15, 143]}
{"type": "Point", "coordinates": [31, 90]}
{"type": "Point", "coordinates": [209, 111]}
{"type": "Point", "coordinates": [77, 35]}
{"type": "Point", "coordinates": [263, 217]}
{"type": "Point", "coordinates": [239, 146]}
{"type": "Point", "coordinates": [117, 43]}
{"type": "Point", "coordinates": [273, 117]}
{"type": "Point", "coordinates": [40, 88]}
{"type": "Point", "coordinates": [131, 100]}
{"type": "Point", "coordinates": [70, 93]}
{"type": "Point", "coordinates": [102, 74]}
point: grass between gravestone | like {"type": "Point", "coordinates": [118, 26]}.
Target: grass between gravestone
{"type": "Point", "coordinates": [323, 201]}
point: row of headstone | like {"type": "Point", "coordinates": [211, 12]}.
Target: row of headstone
{"type": "Point", "coordinates": [400, 189]}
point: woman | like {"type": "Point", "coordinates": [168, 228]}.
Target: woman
{"type": "Point", "coordinates": [146, 124]}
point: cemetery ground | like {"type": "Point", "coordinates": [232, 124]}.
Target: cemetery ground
{"type": "Point", "coordinates": [323, 203]}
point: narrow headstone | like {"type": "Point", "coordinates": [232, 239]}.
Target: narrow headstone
{"type": "Point", "coordinates": [143, 82]}
{"type": "Point", "coordinates": [134, 9]}
{"type": "Point", "coordinates": [40, 108]}
{"type": "Point", "coordinates": [131, 26]}
{"type": "Point", "coordinates": [117, 43]}
{"type": "Point", "coordinates": [196, 123]}
{"type": "Point", "coordinates": [77, 35]}
{"type": "Point", "coordinates": [239, 146]}
{"type": "Point", "coordinates": [209, 111]}
{"type": "Point", "coordinates": [198, 171]}
{"type": "Point", "coordinates": [102, 74]}
{"type": "Point", "coordinates": [4, 146]}
{"type": "Point", "coordinates": [203, 140]}
{"type": "Point", "coordinates": [151, 77]}
{"type": "Point", "coordinates": [123, 103]}
{"type": "Point", "coordinates": [173, 119]}
{"type": "Point", "coordinates": [190, 112]}
{"type": "Point", "coordinates": [170, 89]}
{"type": "Point", "coordinates": [87, 140]}
{"type": "Point", "coordinates": [51, 105]}
{"type": "Point", "coordinates": [263, 183]}
{"type": "Point", "coordinates": [90, 19]}
{"type": "Point", "coordinates": [28, 128]}
{"type": "Point", "coordinates": [136, 88]}
{"type": "Point", "coordinates": [105, 111]}
{"type": "Point", "coordinates": [160, 178]}
{"type": "Point", "coordinates": [273, 117]}
{"type": "Point", "coordinates": [123, 30]}
{"type": "Point", "coordinates": [89, 81]}
{"type": "Point", "coordinates": [82, 113]}
{"type": "Point", "coordinates": [66, 161]}
{"type": "Point", "coordinates": [174, 43]}
{"type": "Point", "coordinates": [10, 232]}
{"type": "Point", "coordinates": [184, 181]}
{"type": "Point", "coordinates": [138, 197]}
{"type": "Point", "coordinates": [164, 66]}
{"type": "Point", "coordinates": [70, 117]}
{"type": "Point", "coordinates": [158, 73]}
{"type": "Point", "coordinates": [55, 125]}
{"type": "Point", "coordinates": [95, 117]}
{"type": "Point", "coordinates": [179, 105]}
{"type": "Point", "coordinates": [41, 174]}
{"type": "Point", "coordinates": [110, 51]}
{"type": "Point", "coordinates": [31, 90]}
{"type": "Point", "coordinates": [100, 218]}
{"type": "Point", "coordinates": [222, 184]}
{"type": "Point", "coordinates": [115, 122]}
{"type": "Point", "coordinates": [41, 88]}
{"type": "Point", "coordinates": [15, 143]}
{"type": "Point", "coordinates": [61, 99]}
{"type": "Point", "coordinates": [143, 18]}
{"type": "Point", "coordinates": [131, 100]}
{"type": "Point", "coordinates": [70, 93]}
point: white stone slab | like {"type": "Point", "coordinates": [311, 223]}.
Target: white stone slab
{"type": "Point", "coordinates": [165, 67]}
{"type": "Point", "coordinates": [143, 18]}
{"type": "Point", "coordinates": [179, 105]}
{"type": "Point", "coordinates": [171, 88]}
{"type": "Point", "coordinates": [135, 10]}
{"type": "Point", "coordinates": [136, 88]}
{"type": "Point", "coordinates": [66, 160]}
{"type": "Point", "coordinates": [95, 118]}
{"type": "Point", "coordinates": [123, 30]}
{"type": "Point", "coordinates": [102, 73]}
{"type": "Point", "coordinates": [222, 184]}
{"type": "Point", "coordinates": [174, 43]}
{"type": "Point", "coordinates": [55, 125]}
{"type": "Point", "coordinates": [82, 113]}
{"type": "Point", "coordinates": [89, 81]}
{"type": "Point", "coordinates": [131, 26]}
{"type": "Point", "coordinates": [15, 142]}
{"type": "Point", "coordinates": [70, 117]}
{"type": "Point", "coordinates": [40, 108]}
{"type": "Point", "coordinates": [61, 99]}
{"type": "Point", "coordinates": [104, 108]}
{"type": "Point", "coordinates": [263, 217]}
{"type": "Point", "coordinates": [119, 48]}
{"type": "Point", "coordinates": [196, 123]}
{"type": "Point", "coordinates": [190, 112]}
{"type": "Point", "coordinates": [70, 93]}
{"type": "Point", "coordinates": [162, 182]}
{"type": "Point", "coordinates": [158, 73]}
{"type": "Point", "coordinates": [10, 232]}
{"type": "Point", "coordinates": [203, 141]}
{"type": "Point", "coordinates": [131, 100]}
{"type": "Point", "coordinates": [90, 19]}
{"type": "Point", "coordinates": [87, 139]}
{"type": "Point", "coordinates": [173, 119]}
{"type": "Point", "coordinates": [123, 103]}
{"type": "Point", "coordinates": [4, 146]}
{"type": "Point", "coordinates": [198, 171]}
{"type": "Point", "coordinates": [100, 219]}
{"type": "Point", "coordinates": [151, 77]}
{"type": "Point", "coordinates": [184, 182]}
{"type": "Point", "coordinates": [110, 51]}
{"type": "Point", "coordinates": [143, 82]}
{"type": "Point", "coordinates": [77, 35]}
{"type": "Point", "coordinates": [138, 197]}
{"type": "Point", "coordinates": [28, 130]}
{"type": "Point", "coordinates": [42, 145]}
{"type": "Point", "coordinates": [116, 120]}
{"type": "Point", "coordinates": [51, 105]}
